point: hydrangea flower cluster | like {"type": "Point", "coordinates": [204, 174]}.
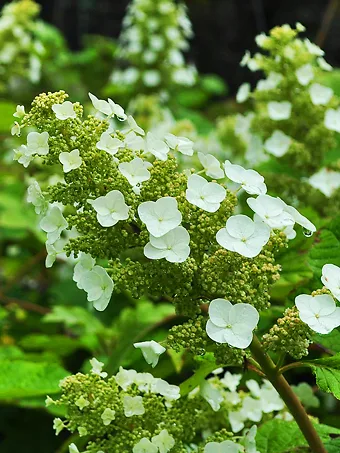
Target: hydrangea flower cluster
{"type": "Point", "coordinates": [294, 119]}
{"type": "Point", "coordinates": [137, 412]}
{"type": "Point", "coordinates": [153, 49]}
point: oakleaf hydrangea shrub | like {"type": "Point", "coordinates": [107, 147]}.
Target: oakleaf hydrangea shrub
{"type": "Point", "coordinates": [293, 119]}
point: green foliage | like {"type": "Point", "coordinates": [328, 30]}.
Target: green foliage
{"type": "Point", "coordinates": [327, 373]}
{"type": "Point", "coordinates": [326, 250]}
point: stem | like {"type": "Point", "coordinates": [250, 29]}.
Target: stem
{"type": "Point", "coordinates": [291, 366]}
{"type": "Point", "coordinates": [288, 396]}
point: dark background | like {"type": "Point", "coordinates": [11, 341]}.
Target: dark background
{"type": "Point", "coordinates": [224, 29]}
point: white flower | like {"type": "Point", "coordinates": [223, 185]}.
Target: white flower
{"type": "Point", "coordinates": [270, 399]}
{"type": "Point", "coordinates": [327, 181]}
{"type": "Point", "coordinates": [133, 127]}
{"type": "Point", "coordinates": [22, 156]}
{"type": "Point", "coordinates": [53, 224]}
{"type": "Point", "coordinates": [164, 441]}
{"type": "Point", "coordinates": [133, 405]}
{"type": "Point", "coordinates": [19, 112]}
{"type": "Point", "coordinates": [300, 219]}
{"type": "Point", "coordinates": [332, 120]}
{"type": "Point", "coordinates": [313, 48]}
{"type": "Point", "coordinates": [73, 448]}
{"type": "Point", "coordinates": [271, 211]}
{"type": "Point", "coordinates": [134, 142]}
{"type": "Point", "coordinates": [231, 381]}
{"type": "Point", "coordinates": [251, 409]}
{"type": "Point", "coordinates": [136, 171]}
{"type": "Point", "coordinates": [37, 143]}
{"type": "Point", "coordinates": [244, 236]}
{"type": "Point", "coordinates": [226, 446]}
{"type": "Point", "coordinates": [99, 286]}
{"type": "Point", "coordinates": [243, 93]}
{"type": "Point", "coordinates": [35, 196]}
{"type": "Point", "coordinates": [278, 143]}
{"type": "Point", "coordinates": [278, 111]}
{"type": "Point", "coordinates": [151, 78]}
{"type": "Point", "coordinates": [58, 425]}
{"type": "Point", "coordinates": [319, 312]}
{"type": "Point", "coordinates": [16, 129]}
{"type": "Point", "coordinates": [305, 74]}
{"type": "Point", "coordinates": [181, 144]}
{"type": "Point", "coordinates": [320, 95]}
{"type": "Point", "coordinates": [108, 108]}
{"type": "Point", "coordinates": [206, 195]}
{"type": "Point", "coordinates": [71, 160]}
{"type": "Point", "coordinates": [300, 28]}
{"type": "Point", "coordinates": [261, 39]}
{"type": "Point", "coordinates": [270, 83]}
{"type": "Point", "coordinates": [82, 402]}
{"type": "Point", "coordinates": [109, 144]}
{"type": "Point", "coordinates": [52, 252]}
{"type": "Point", "coordinates": [144, 446]}
{"type": "Point", "coordinates": [108, 416]}
{"type": "Point", "coordinates": [331, 279]}
{"type": "Point", "coordinates": [211, 165]}
{"type": "Point", "coordinates": [160, 216]}
{"type": "Point", "coordinates": [251, 181]}
{"type": "Point", "coordinates": [236, 420]}
{"type": "Point", "coordinates": [170, 392]}
{"type": "Point", "coordinates": [97, 368]}
{"type": "Point", "coordinates": [64, 111]}
{"type": "Point", "coordinates": [212, 395]}
{"type": "Point", "coordinates": [156, 147]}
{"type": "Point", "coordinates": [125, 378]}
{"type": "Point", "coordinates": [232, 324]}
{"type": "Point", "coordinates": [173, 246]}
{"type": "Point", "coordinates": [151, 351]}
{"type": "Point", "coordinates": [86, 263]}
{"type": "Point", "coordinates": [323, 64]}
{"type": "Point", "coordinates": [111, 208]}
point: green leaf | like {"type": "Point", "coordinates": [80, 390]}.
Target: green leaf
{"type": "Point", "coordinates": [327, 373]}
{"type": "Point", "coordinates": [331, 341]}
{"type": "Point", "coordinates": [325, 250]}
{"type": "Point", "coordinates": [73, 317]}
{"type": "Point", "coordinates": [279, 436]}
{"type": "Point", "coordinates": [59, 344]}
{"type": "Point", "coordinates": [306, 395]}
{"type": "Point", "coordinates": [6, 116]}
{"type": "Point", "coordinates": [20, 378]}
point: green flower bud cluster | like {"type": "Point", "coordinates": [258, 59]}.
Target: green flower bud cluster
{"type": "Point", "coordinates": [289, 335]}
{"type": "Point", "coordinates": [154, 37]}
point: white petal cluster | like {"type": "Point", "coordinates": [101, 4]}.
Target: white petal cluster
{"type": "Point", "coordinates": [53, 250]}
{"type": "Point", "coordinates": [227, 446]}
{"type": "Point", "coordinates": [22, 155]}
{"type": "Point", "coordinates": [136, 171]}
{"type": "Point", "coordinates": [331, 279]}
{"type": "Point", "coordinates": [332, 120]}
{"type": "Point", "coordinates": [108, 108]}
{"type": "Point", "coordinates": [109, 144]}
{"type": "Point", "coordinates": [160, 216]}
{"type": "Point", "coordinates": [173, 246]}
{"type": "Point", "coordinates": [319, 94]}
{"type": "Point", "coordinates": [270, 83]}
{"type": "Point", "coordinates": [36, 197]}
{"type": "Point", "coordinates": [19, 112]}
{"type": "Point", "coordinates": [162, 443]}
{"type": "Point", "coordinates": [212, 395]}
{"type": "Point", "coordinates": [305, 74]}
{"type": "Point", "coordinates": [211, 165]}
{"type": "Point", "coordinates": [97, 368]}
{"type": "Point", "coordinates": [111, 208]}
{"type": "Point", "coordinates": [86, 263]}
{"type": "Point", "coordinates": [278, 143]}
{"type": "Point", "coordinates": [231, 381]}
{"type": "Point", "coordinates": [181, 144]}
{"type": "Point", "coordinates": [37, 143]}
{"type": "Point", "coordinates": [327, 181]}
{"type": "Point", "coordinates": [243, 93]}
{"type": "Point", "coordinates": [319, 312]}
{"type": "Point", "coordinates": [156, 147]}
{"type": "Point", "coordinates": [133, 405]}
{"type": "Point", "coordinates": [279, 111]}
{"type": "Point", "coordinates": [99, 286]}
{"type": "Point", "coordinates": [251, 181]}
{"type": "Point", "coordinates": [244, 236]}
{"type": "Point", "coordinates": [64, 111]}
{"type": "Point", "coordinates": [71, 160]}
{"type": "Point", "coordinates": [133, 127]}
{"type": "Point", "coordinates": [151, 351]}
{"type": "Point", "coordinates": [53, 224]}
{"type": "Point", "coordinates": [232, 324]}
{"type": "Point", "coordinates": [108, 416]}
{"type": "Point", "coordinates": [206, 195]}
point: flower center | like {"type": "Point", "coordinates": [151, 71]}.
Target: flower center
{"type": "Point", "coordinates": [317, 315]}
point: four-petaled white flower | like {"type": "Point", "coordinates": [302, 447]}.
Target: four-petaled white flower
{"type": "Point", "coordinates": [37, 143]}
{"type": "Point", "coordinates": [36, 197]}
{"type": "Point", "coordinates": [163, 441]}
{"type": "Point", "coordinates": [109, 144]}
{"type": "Point", "coordinates": [151, 351]}
{"type": "Point", "coordinates": [244, 236]}
{"type": "Point", "coordinates": [160, 216]}
{"type": "Point", "coordinates": [99, 286]}
{"type": "Point", "coordinates": [64, 111]}
{"type": "Point", "coordinates": [231, 381]}
{"type": "Point", "coordinates": [270, 83]}
{"type": "Point", "coordinates": [227, 446]}
{"type": "Point", "coordinates": [108, 108]}
{"type": "Point", "coordinates": [170, 392]}
{"type": "Point", "coordinates": [97, 368]}
{"type": "Point", "coordinates": [108, 416]}
{"type": "Point", "coordinates": [133, 127]}
{"type": "Point", "coordinates": [271, 211]}
{"type": "Point", "coordinates": [53, 224]}
{"type": "Point", "coordinates": [232, 324]}
{"type": "Point", "coordinates": [156, 147]}
{"type": "Point", "coordinates": [211, 165]}
{"type": "Point", "coordinates": [278, 143]}
{"type": "Point", "coordinates": [22, 155]}
{"type": "Point", "coordinates": [305, 74]}
{"type": "Point", "coordinates": [71, 160]}
{"type": "Point", "coordinates": [16, 129]}
{"type": "Point", "coordinates": [319, 94]}
{"type": "Point", "coordinates": [136, 171]}
{"type": "Point", "coordinates": [133, 405]}
{"type": "Point", "coordinates": [279, 111]}
{"type": "Point", "coordinates": [243, 93]}
{"type": "Point", "coordinates": [86, 263]}
{"type": "Point", "coordinates": [332, 120]}
{"type": "Point", "coordinates": [19, 112]}
{"type": "Point", "coordinates": [110, 208]}
{"type": "Point", "coordinates": [206, 195]}
{"type": "Point", "coordinates": [331, 279]}
{"type": "Point", "coordinates": [173, 246]}
{"type": "Point", "coordinates": [211, 394]}
{"type": "Point", "coordinates": [325, 180]}
{"type": "Point", "coordinates": [58, 425]}
{"type": "Point", "coordinates": [134, 142]}
{"type": "Point", "coordinates": [145, 446]}
{"type": "Point", "coordinates": [319, 312]}
{"type": "Point", "coordinates": [125, 378]}
{"type": "Point", "coordinates": [181, 144]}
{"type": "Point", "coordinates": [251, 181]}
